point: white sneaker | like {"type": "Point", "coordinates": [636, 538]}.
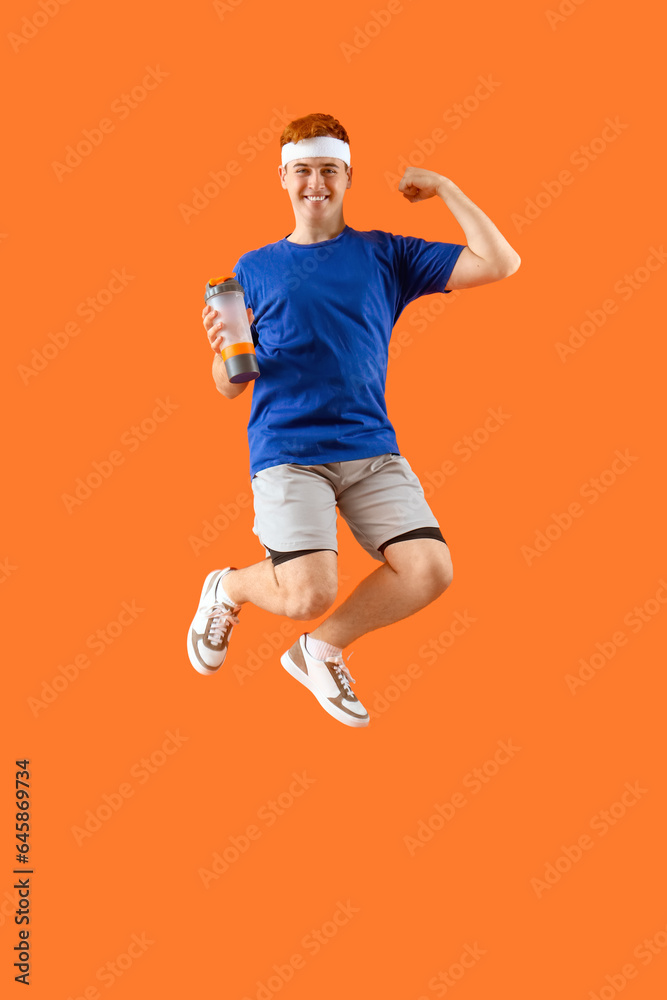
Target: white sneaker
{"type": "Point", "coordinates": [212, 626]}
{"type": "Point", "coordinates": [329, 680]}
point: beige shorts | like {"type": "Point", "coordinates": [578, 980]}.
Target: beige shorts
{"type": "Point", "coordinates": [379, 498]}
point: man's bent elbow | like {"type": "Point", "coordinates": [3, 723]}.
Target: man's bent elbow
{"type": "Point", "coordinates": [231, 390]}
{"type": "Point", "coordinates": [501, 268]}
{"type": "Point", "coordinates": [512, 266]}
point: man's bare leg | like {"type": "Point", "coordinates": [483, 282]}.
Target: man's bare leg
{"type": "Point", "coordinates": [417, 571]}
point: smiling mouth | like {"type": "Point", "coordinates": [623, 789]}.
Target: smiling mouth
{"type": "Point", "coordinates": [317, 198]}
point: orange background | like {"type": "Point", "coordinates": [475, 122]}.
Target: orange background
{"type": "Point", "coordinates": [410, 913]}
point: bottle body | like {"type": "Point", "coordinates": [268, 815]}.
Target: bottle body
{"type": "Point", "coordinates": [225, 295]}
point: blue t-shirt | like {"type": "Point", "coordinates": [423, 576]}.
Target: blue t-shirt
{"type": "Point", "coordinates": [324, 314]}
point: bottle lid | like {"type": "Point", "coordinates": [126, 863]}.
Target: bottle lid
{"type": "Point", "coordinates": [222, 284]}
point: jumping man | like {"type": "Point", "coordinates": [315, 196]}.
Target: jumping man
{"type": "Point", "coordinates": [322, 303]}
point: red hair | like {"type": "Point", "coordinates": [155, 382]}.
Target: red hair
{"type": "Point", "coordinates": [311, 126]}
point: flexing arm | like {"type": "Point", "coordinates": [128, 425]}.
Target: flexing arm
{"type": "Point", "coordinates": [487, 256]}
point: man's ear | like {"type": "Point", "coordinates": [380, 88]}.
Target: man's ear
{"type": "Point", "coordinates": [280, 174]}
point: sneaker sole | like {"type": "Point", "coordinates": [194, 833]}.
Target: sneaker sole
{"type": "Point", "coordinates": [299, 676]}
{"type": "Point", "coordinates": [192, 654]}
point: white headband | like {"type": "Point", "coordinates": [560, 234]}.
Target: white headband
{"type": "Point", "coordinates": [321, 145]}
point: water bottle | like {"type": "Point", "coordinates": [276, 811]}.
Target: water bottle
{"type": "Point", "coordinates": [225, 295]}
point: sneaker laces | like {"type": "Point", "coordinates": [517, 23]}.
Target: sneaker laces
{"type": "Point", "coordinates": [344, 675]}
{"type": "Point", "coordinates": [222, 618]}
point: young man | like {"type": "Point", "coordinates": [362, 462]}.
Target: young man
{"type": "Point", "coordinates": [322, 303]}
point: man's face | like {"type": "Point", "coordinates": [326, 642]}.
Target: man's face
{"type": "Point", "coordinates": [316, 185]}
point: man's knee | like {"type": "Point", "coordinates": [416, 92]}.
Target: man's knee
{"type": "Point", "coordinates": [446, 575]}
{"type": "Point", "coordinates": [306, 603]}
{"type": "Point", "coordinates": [438, 574]}
{"type": "Point", "coordinates": [309, 584]}
{"type": "Point", "coordinates": [431, 564]}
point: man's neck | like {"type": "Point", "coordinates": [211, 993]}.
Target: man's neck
{"type": "Point", "coordinates": [304, 236]}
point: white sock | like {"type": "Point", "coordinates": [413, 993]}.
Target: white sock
{"type": "Point", "coordinates": [321, 650]}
